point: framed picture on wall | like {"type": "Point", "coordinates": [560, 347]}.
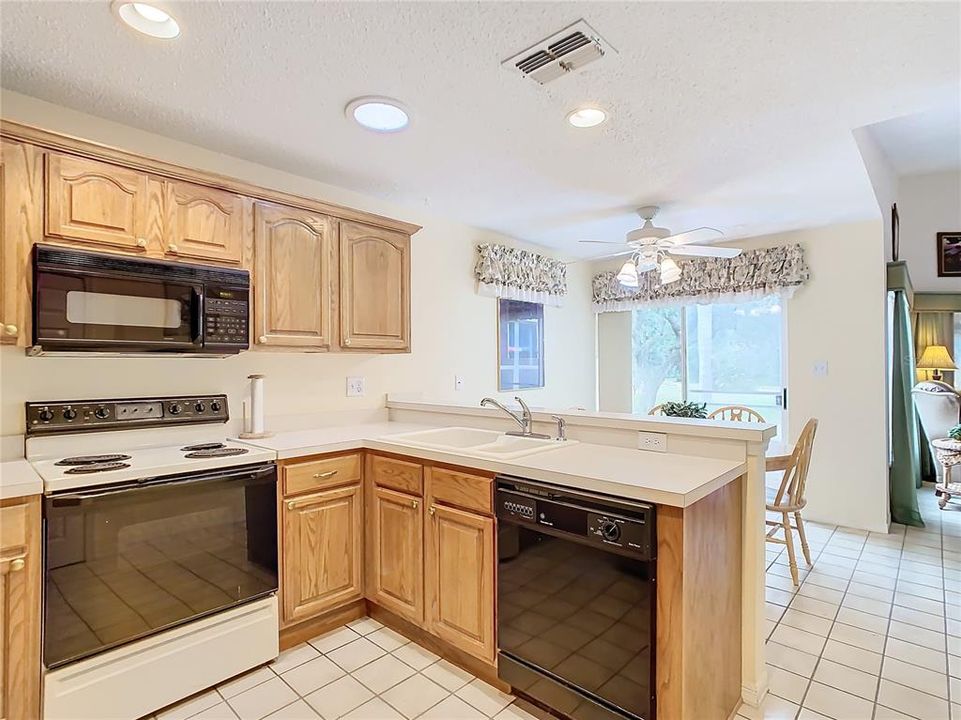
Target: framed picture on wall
{"type": "Point", "coordinates": [520, 345]}
{"type": "Point", "coordinates": [949, 254]}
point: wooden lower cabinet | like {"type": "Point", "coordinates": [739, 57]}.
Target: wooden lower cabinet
{"type": "Point", "coordinates": [323, 552]}
{"type": "Point", "coordinates": [459, 581]}
{"type": "Point", "coordinates": [20, 582]}
{"type": "Point", "coordinates": [395, 552]}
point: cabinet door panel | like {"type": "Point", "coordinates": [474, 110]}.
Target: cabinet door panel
{"type": "Point", "coordinates": [374, 288]}
{"type": "Point", "coordinates": [203, 223]}
{"type": "Point", "coordinates": [292, 257]}
{"type": "Point", "coordinates": [21, 225]}
{"type": "Point", "coordinates": [323, 552]}
{"type": "Point", "coordinates": [96, 203]}
{"type": "Point", "coordinates": [20, 578]}
{"type": "Point", "coordinates": [460, 580]}
{"type": "Point", "coordinates": [396, 552]}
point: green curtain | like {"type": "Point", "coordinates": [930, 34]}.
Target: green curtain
{"type": "Point", "coordinates": [930, 328]}
{"type": "Point", "coordinates": [904, 476]}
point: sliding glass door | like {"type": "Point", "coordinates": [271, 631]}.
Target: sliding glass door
{"type": "Point", "coordinates": [719, 354]}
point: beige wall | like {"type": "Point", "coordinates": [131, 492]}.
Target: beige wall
{"type": "Point", "coordinates": [838, 318]}
{"type": "Point", "coordinates": [928, 204]}
{"type": "Point", "coordinates": [453, 329]}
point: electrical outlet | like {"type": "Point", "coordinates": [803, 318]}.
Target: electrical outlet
{"type": "Point", "coordinates": [458, 382]}
{"type": "Point", "coordinates": [655, 442]}
{"type": "Point", "coordinates": [356, 386]}
{"type": "Point", "coordinates": [820, 368]}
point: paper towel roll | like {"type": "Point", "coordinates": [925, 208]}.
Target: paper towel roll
{"type": "Point", "coordinates": [256, 404]}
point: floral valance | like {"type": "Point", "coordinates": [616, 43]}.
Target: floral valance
{"type": "Point", "coordinates": [517, 274]}
{"type": "Point", "coordinates": [753, 273]}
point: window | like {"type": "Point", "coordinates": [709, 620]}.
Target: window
{"type": "Point", "coordinates": [719, 354]}
{"type": "Point", "coordinates": [520, 347]}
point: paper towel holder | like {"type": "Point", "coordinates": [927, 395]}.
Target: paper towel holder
{"type": "Point", "coordinates": [255, 379]}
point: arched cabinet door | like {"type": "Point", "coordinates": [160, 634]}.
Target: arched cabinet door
{"type": "Point", "coordinates": [292, 259]}
{"type": "Point", "coordinates": [374, 288]}
{"type": "Point", "coordinates": [96, 204]}
{"type": "Point", "coordinates": [202, 224]}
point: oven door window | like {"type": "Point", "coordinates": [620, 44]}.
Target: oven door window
{"type": "Point", "coordinates": [123, 565]}
{"type": "Point", "coordinates": [579, 613]}
{"type": "Point", "coordinates": [113, 311]}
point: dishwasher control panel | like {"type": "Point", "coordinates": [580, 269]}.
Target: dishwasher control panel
{"type": "Point", "coordinates": [622, 526]}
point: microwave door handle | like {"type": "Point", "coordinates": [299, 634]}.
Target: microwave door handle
{"type": "Point", "coordinates": [197, 315]}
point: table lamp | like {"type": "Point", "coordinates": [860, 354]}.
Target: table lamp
{"type": "Point", "coordinates": [936, 358]}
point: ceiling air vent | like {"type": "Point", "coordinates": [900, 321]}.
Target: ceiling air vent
{"type": "Point", "coordinates": [563, 52]}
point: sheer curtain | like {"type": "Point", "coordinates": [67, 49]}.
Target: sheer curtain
{"type": "Point", "coordinates": [904, 475]}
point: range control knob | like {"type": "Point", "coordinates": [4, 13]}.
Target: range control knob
{"type": "Point", "coordinates": [46, 415]}
{"type": "Point", "coordinates": [610, 531]}
{"type": "Point", "coordinates": [200, 407]}
{"type": "Point", "coordinates": [215, 406]}
{"type": "Point", "coordinates": [102, 412]}
{"type": "Point", "coordinates": [175, 409]}
{"type": "Point", "coordinates": [69, 414]}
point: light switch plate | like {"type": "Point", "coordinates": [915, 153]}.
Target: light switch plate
{"type": "Point", "coordinates": [820, 368]}
{"type": "Point", "coordinates": [655, 442]}
{"type": "Point", "coordinates": [458, 382]}
{"type": "Point", "coordinates": [356, 386]}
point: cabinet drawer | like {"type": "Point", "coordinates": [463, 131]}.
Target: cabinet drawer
{"type": "Point", "coordinates": [13, 526]}
{"type": "Point", "coordinates": [397, 474]}
{"type": "Point", "coordinates": [450, 487]}
{"type": "Point", "coordinates": [318, 474]}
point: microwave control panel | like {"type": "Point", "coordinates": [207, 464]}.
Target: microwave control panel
{"type": "Point", "coordinates": [226, 316]}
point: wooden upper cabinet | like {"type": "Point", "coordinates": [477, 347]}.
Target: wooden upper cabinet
{"type": "Point", "coordinates": [323, 552]}
{"type": "Point", "coordinates": [459, 549]}
{"type": "Point", "coordinates": [395, 552]}
{"type": "Point", "coordinates": [292, 261]}
{"type": "Point", "coordinates": [21, 224]}
{"type": "Point", "coordinates": [202, 223]}
{"type": "Point", "coordinates": [96, 204]}
{"type": "Point", "coordinates": [374, 288]}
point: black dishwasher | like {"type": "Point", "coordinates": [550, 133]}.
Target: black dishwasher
{"type": "Point", "coordinates": [576, 600]}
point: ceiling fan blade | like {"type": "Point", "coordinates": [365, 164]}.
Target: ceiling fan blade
{"type": "Point", "coordinates": [700, 234]}
{"type": "Point", "coordinates": [623, 253]}
{"type": "Point", "coordinates": [704, 251]}
{"type": "Point", "coordinates": [602, 242]}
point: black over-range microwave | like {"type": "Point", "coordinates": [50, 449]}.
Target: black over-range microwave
{"type": "Point", "coordinates": [95, 302]}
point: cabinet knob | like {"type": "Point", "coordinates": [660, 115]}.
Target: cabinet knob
{"type": "Point", "coordinates": [413, 504]}
{"type": "Point", "coordinates": [262, 339]}
{"type": "Point", "coordinates": [172, 248]}
{"type": "Point", "coordinates": [10, 329]}
{"type": "Point", "coordinates": [290, 505]}
{"type": "Point", "coordinates": [347, 341]}
{"type": "Point", "coordinates": [17, 565]}
{"type": "Point", "coordinates": [431, 510]}
{"type": "Point", "coordinates": [141, 242]}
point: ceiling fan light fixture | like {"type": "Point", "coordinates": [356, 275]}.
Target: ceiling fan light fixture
{"type": "Point", "coordinates": [670, 272]}
{"type": "Point", "coordinates": [378, 114]}
{"type": "Point", "coordinates": [628, 275]}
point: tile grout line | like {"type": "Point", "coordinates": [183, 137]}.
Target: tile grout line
{"type": "Point", "coordinates": [833, 620]}
{"type": "Point", "coordinates": [887, 629]}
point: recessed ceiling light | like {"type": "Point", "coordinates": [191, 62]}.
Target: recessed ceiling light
{"type": "Point", "coordinates": [586, 117]}
{"type": "Point", "coordinates": [147, 18]}
{"type": "Point", "coordinates": [379, 114]}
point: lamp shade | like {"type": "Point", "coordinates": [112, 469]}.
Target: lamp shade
{"type": "Point", "coordinates": [936, 357]}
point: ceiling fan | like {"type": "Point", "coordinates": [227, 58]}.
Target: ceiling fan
{"type": "Point", "coordinates": [650, 248]}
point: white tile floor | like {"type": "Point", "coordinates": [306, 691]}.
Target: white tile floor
{"type": "Point", "coordinates": [363, 671]}
{"type": "Point", "coordinates": [874, 631]}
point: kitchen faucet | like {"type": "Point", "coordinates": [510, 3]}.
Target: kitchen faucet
{"type": "Point", "coordinates": [523, 419]}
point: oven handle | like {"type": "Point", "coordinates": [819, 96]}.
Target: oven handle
{"type": "Point", "coordinates": [161, 482]}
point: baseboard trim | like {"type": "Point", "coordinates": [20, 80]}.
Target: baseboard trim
{"type": "Point", "coordinates": [303, 631]}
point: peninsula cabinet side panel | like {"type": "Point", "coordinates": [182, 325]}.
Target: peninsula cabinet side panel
{"type": "Point", "coordinates": [699, 607]}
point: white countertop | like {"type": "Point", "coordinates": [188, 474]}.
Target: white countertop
{"type": "Point", "coordinates": [663, 478]}
{"type": "Point", "coordinates": [18, 479]}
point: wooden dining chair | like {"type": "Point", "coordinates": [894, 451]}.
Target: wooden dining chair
{"type": "Point", "coordinates": [736, 413]}
{"type": "Point", "coordinates": [789, 499]}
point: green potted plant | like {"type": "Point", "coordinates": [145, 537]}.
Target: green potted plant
{"type": "Point", "coordinates": [955, 432]}
{"type": "Point", "coordinates": [685, 409]}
